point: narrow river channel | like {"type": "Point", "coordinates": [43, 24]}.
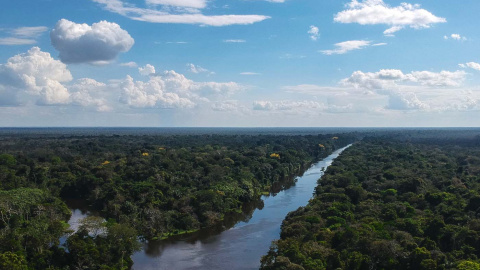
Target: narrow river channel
{"type": "Point", "coordinates": [241, 246]}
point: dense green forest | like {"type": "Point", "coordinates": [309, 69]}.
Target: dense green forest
{"type": "Point", "coordinates": [144, 187]}
{"type": "Point", "coordinates": [394, 202]}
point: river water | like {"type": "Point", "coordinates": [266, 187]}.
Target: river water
{"type": "Point", "coordinates": [241, 246]}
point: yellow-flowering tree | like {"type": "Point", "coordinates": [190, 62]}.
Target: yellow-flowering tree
{"type": "Point", "coordinates": [275, 155]}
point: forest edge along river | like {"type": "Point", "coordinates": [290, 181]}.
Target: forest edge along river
{"type": "Point", "coordinates": [240, 241]}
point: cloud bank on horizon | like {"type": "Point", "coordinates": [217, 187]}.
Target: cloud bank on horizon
{"type": "Point", "coordinates": [215, 63]}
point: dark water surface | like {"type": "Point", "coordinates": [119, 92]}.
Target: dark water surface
{"type": "Point", "coordinates": [241, 246]}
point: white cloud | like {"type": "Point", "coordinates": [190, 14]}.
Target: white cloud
{"type": "Point", "coordinates": [151, 94]}
{"type": "Point", "coordinates": [81, 43]}
{"type": "Point", "coordinates": [346, 46]}
{"type": "Point", "coordinates": [16, 41]}
{"type": "Point", "coordinates": [379, 44]}
{"type": "Point", "coordinates": [392, 30]}
{"type": "Point", "coordinates": [147, 70]}
{"type": "Point", "coordinates": [179, 3]}
{"type": "Point", "coordinates": [187, 15]}
{"type": "Point", "coordinates": [392, 89]}
{"type": "Point", "coordinates": [314, 32]}
{"type": "Point", "coordinates": [36, 74]}
{"type": "Point", "coordinates": [36, 78]}
{"type": "Point", "coordinates": [455, 37]}
{"type": "Point", "coordinates": [29, 32]}
{"type": "Point", "coordinates": [405, 101]}
{"type": "Point", "coordinates": [198, 69]}
{"type": "Point", "coordinates": [171, 90]}
{"type": "Point", "coordinates": [129, 64]}
{"type": "Point", "coordinates": [371, 12]}
{"type": "Point", "coordinates": [392, 78]}
{"type": "Point", "coordinates": [402, 89]}
{"type": "Point", "coordinates": [234, 41]}
{"type": "Point", "coordinates": [23, 35]}
{"type": "Point", "coordinates": [53, 93]}
{"type": "Point", "coordinates": [440, 79]}
{"type": "Point", "coordinates": [250, 73]}
{"type": "Point", "coordinates": [88, 92]}
{"type": "Point", "coordinates": [472, 65]}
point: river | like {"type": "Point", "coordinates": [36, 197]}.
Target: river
{"type": "Point", "coordinates": [241, 246]}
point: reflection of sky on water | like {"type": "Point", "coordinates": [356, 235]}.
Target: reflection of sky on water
{"type": "Point", "coordinates": [74, 222]}
{"type": "Point", "coordinates": [242, 246]}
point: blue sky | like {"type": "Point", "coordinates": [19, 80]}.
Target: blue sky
{"type": "Point", "coordinates": [239, 63]}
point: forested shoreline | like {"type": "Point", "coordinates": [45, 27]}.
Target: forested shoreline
{"type": "Point", "coordinates": [392, 202]}
{"type": "Point", "coordinates": [144, 186]}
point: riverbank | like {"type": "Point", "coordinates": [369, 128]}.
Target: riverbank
{"type": "Point", "coordinates": [240, 247]}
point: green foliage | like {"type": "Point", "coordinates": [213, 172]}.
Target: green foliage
{"type": "Point", "coordinates": [468, 265]}
{"type": "Point", "coordinates": [12, 261]}
{"type": "Point", "coordinates": [144, 186]}
{"type": "Point", "coordinates": [390, 203]}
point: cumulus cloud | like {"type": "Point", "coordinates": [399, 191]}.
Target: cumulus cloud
{"type": "Point", "coordinates": [35, 73]}
{"type": "Point", "coordinates": [346, 46]}
{"type": "Point", "coordinates": [147, 70]}
{"type": "Point", "coordinates": [392, 78]}
{"type": "Point", "coordinates": [179, 83]}
{"type": "Point", "coordinates": [81, 43]}
{"type": "Point", "coordinates": [401, 88]}
{"type": "Point", "coordinates": [35, 77]}
{"type": "Point", "coordinates": [441, 79]}
{"type": "Point", "coordinates": [88, 92]}
{"type": "Point", "coordinates": [371, 12]}
{"type": "Point", "coordinates": [151, 94]}
{"type": "Point", "coordinates": [314, 32]}
{"type": "Point", "coordinates": [171, 90]}
{"type": "Point", "coordinates": [405, 101]}
{"type": "Point", "coordinates": [187, 12]}
{"type": "Point", "coordinates": [53, 93]}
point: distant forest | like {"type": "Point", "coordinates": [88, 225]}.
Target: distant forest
{"type": "Point", "coordinates": [143, 186]}
{"type": "Point", "coordinates": [396, 199]}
